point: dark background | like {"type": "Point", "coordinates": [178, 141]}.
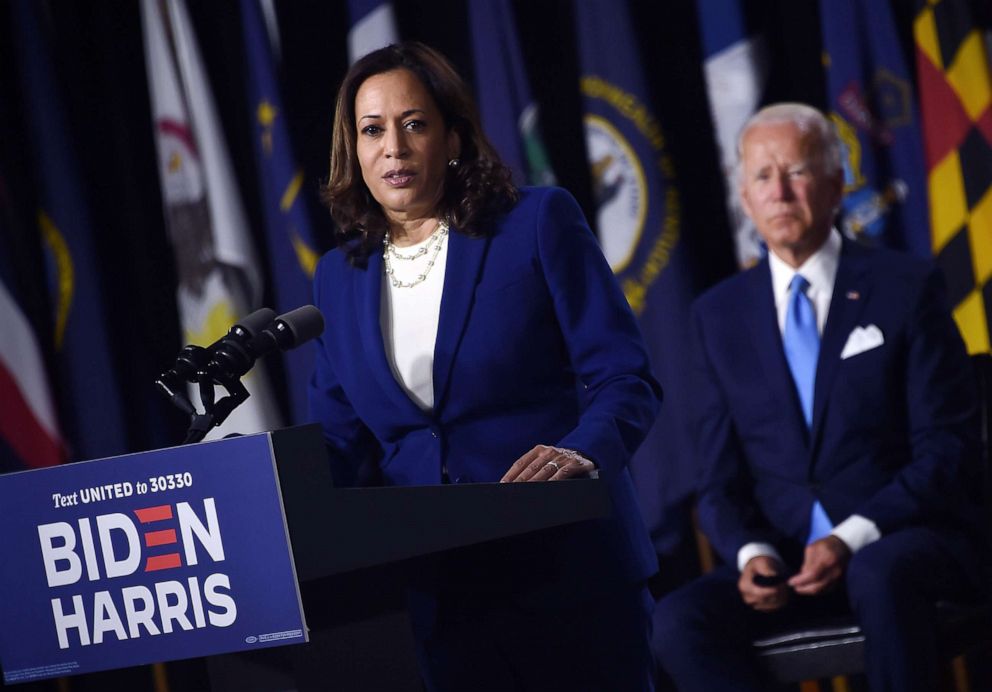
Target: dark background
{"type": "Point", "coordinates": [100, 66]}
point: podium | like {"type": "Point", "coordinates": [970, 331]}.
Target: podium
{"type": "Point", "coordinates": [235, 545]}
{"type": "Point", "coordinates": [354, 549]}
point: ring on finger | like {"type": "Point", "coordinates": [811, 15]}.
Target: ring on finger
{"type": "Point", "coordinates": [571, 455]}
{"type": "Point", "coordinates": [553, 464]}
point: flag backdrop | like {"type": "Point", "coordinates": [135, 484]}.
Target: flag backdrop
{"type": "Point", "coordinates": [509, 113]}
{"type": "Point", "coordinates": [956, 102]}
{"type": "Point", "coordinates": [289, 238]}
{"type": "Point", "coordinates": [218, 278]}
{"type": "Point", "coordinates": [873, 106]}
{"type": "Point", "coordinates": [735, 67]}
{"type": "Point", "coordinates": [373, 25]}
{"type": "Point", "coordinates": [87, 379]}
{"type": "Point", "coordinates": [638, 216]}
{"type": "Point", "coordinates": [29, 431]}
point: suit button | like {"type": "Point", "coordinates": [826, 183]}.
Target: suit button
{"type": "Point", "coordinates": [434, 434]}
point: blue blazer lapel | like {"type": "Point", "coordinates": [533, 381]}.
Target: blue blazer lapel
{"type": "Point", "coordinates": [461, 274]}
{"type": "Point", "coordinates": [767, 337]}
{"type": "Point", "coordinates": [368, 305]}
{"type": "Point", "coordinates": [846, 305]}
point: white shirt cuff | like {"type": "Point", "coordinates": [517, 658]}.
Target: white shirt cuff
{"type": "Point", "coordinates": [856, 531]}
{"type": "Point", "coordinates": [752, 550]}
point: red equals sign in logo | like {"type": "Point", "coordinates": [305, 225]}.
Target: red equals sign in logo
{"type": "Point", "coordinates": [159, 537]}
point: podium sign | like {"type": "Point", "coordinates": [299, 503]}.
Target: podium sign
{"type": "Point", "coordinates": [147, 557]}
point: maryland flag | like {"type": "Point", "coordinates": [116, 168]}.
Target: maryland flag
{"type": "Point", "coordinates": [956, 103]}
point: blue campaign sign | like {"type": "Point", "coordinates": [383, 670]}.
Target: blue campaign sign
{"type": "Point", "coordinates": [148, 557]}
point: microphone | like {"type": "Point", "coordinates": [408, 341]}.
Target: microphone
{"type": "Point", "coordinates": [249, 326]}
{"type": "Point", "coordinates": [193, 360]}
{"type": "Point", "coordinates": [230, 357]}
{"type": "Point", "coordinates": [235, 357]}
{"type": "Point", "coordinates": [231, 354]}
{"type": "Point", "coordinates": [289, 330]}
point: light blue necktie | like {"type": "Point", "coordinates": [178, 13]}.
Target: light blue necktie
{"type": "Point", "coordinates": [802, 348]}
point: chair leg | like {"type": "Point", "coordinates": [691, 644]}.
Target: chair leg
{"type": "Point", "coordinates": [959, 672]}
{"type": "Point", "coordinates": [707, 557]}
{"type": "Point", "coordinates": [840, 684]}
{"type": "Point", "coordinates": [161, 677]}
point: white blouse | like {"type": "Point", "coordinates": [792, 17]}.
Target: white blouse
{"type": "Point", "coordinates": [409, 317]}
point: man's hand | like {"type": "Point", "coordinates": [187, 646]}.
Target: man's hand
{"type": "Point", "coordinates": [763, 598]}
{"type": "Point", "coordinates": [823, 566]}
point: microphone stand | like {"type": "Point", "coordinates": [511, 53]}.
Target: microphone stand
{"type": "Point", "coordinates": [215, 413]}
{"type": "Point", "coordinates": [193, 367]}
{"type": "Point", "coordinates": [228, 359]}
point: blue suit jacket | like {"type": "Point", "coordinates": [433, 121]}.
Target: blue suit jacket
{"type": "Point", "coordinates": [893, 427]}
{"type": "Point", "coordinates": [535, 345]}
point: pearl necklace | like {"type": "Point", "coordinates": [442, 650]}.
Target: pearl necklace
{"type": "Point", "coordinates": [433, 245]}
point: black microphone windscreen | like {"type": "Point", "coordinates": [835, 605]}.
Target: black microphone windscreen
{"type": "Point", "coordinates": [298, 326]}
{"type": "Point", "coordinates": [232, 355]}
{"type": "Point", "coordinates": [255, 322]}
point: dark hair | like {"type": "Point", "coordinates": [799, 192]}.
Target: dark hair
{"type": "Point", "coordinates": [476, 191]}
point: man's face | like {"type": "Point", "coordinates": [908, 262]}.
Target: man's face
{"type": "Point", "coordinates": [786, 191]}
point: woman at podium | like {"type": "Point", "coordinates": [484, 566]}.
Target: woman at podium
{"type": "Point", "coordinates": [475, 333]}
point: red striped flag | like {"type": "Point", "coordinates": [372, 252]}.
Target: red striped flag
{"type": "Point", "coordinates": [27, 416]}
{"type": "Point", "coordinates": [29, 432]}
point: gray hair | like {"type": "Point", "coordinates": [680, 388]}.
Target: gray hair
{"type": "Point", "coordinates": [808, 120]}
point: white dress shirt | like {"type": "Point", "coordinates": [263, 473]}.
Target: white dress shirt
{"type": "Point", "coordinates": [820, 270]}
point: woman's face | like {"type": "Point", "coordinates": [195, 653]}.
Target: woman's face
{"type": "Point", "coordinates": [403, 146]}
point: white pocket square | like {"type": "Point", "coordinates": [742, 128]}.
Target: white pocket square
{"type": "Point", "coordinates": [862, 339]}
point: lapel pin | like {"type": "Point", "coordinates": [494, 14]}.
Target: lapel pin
{"type": "Point", "coordinates": [853, 295]}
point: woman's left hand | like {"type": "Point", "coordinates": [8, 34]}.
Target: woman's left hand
{"type": "Point", "coordinates": [547, 463]}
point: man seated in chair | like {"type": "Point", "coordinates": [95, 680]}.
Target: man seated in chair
{"type": "Point", "coordinates": [835, 424]}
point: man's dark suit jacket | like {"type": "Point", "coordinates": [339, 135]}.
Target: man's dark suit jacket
{"type": "Point", "coordinates": [892, 436]}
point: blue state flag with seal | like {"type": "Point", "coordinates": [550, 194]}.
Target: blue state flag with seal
{"type": "Point", "coordinates": [638, 217]}
{"type": "Point", "coordinates": [89, 397]}
{"type": "Point", "coordinates": [291, 245]}
{"type": "Point", "coordinates": [873, 106]}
